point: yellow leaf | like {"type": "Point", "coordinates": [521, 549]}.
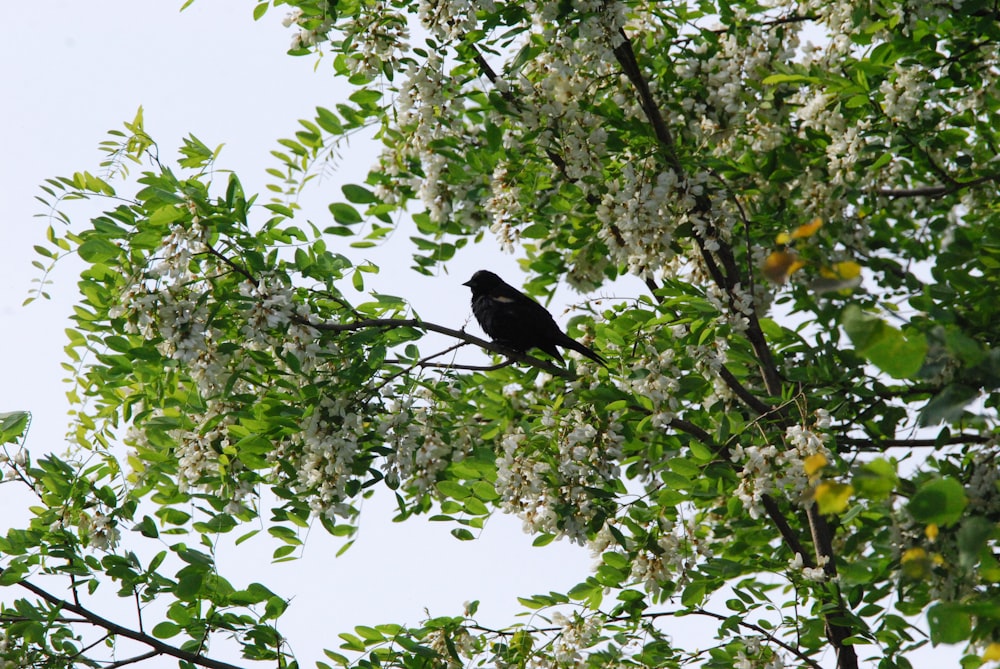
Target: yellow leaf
{"type": "Point", "coordinates": [845, 270]}
{"type": "Point", "coordinates": [839, 276]}
{"type": "Point", "coordinates": [814, 463]}
{"type": "Point", "coordinates": [807, 230]}
{"type": "Point", "coordinates": [780, 265]}
{"type": "Point", "coordinates": [992, 652]}
{"type": "Point", "coordinates": [931, 531]}
{"type": "Point", "coordinates": [833, 497]}
{"type": "Point", "coordinates": [915, 563]}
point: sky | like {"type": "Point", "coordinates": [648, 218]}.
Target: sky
{"type": "Point", "coordinates": [74, 70]}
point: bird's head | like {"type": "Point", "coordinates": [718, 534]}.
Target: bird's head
{"type": "Point", "coordinates": [483, 281]}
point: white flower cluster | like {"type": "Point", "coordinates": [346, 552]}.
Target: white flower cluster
{"type": "Point", "coordinates": [420, 450]}
{"type": "Point", "coordinates": [674, 559]}
{"type": "Point", "coordinates": [445, 645]}
{"type": "Point", "coordinates": [306, 37]}
{"type": "Point", "coordinates": [576, 633]}
{"type": "Point", "coordinates": [503, 208]}
{"type": "Point", "coordinates": [535, 485]}
{"type": "Point", "coordinates": [639, 216]}
{"type": "Point", "coordinates": [18, 461]}
{"type": "Point", "coordinates": [99, 531]}
{"type": "Point", "coordinates": [198, 453]}
{"type": "Point", "coordinates": [176, 252]}
{"type": "Point", "coordinates": [907, 95]}
{"type": "Point", "coordinates": [275, 322]}
{"type": "Point", "coordinates": [378, 37]}
{"type": "Point", "coordinates": [656, 377]}
{"type": "Point", "coordinates": [816, 574]}
{"type": "Point", "coordinates": [451, 19]}
{"type": "Point", "coordinates": [731, 74]}
{"type": "Point", "coordinates": [765, 469]}
{"type": "Point", "coordinates": [427, 113]}
{"type": "Point", "coordinates": [754, 656]}
{"type": "Point", "coordinates": [325, 454]}
{"type": "Point", "coordinates": [181, 321]}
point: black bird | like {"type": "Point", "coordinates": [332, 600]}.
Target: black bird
{"type": "Point", "coordinates": [514, 320]}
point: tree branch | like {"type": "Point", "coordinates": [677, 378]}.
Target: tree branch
{"type": "Point", "coordinates": [132, 660]}
{"type": "Point", "coordinates": [118, 630]}
{"type": "Point", "coordinates": [882, 444]}
{"type": "Point", "coordinates": [743, 393]}
{"type": "Point", "coordinates": [756, 628]}
{"type": "Point", "coordinates": [940, 190]}
{"type": "Point", "coordinates": [728, 279]}
{"type": "Point", "coordinates": [788, 535]}
{"type": "Point", "coordinates": [822, 537]}
{"type": "Point", "coordinates": [669, 614]}
{"type": "Point", "coordinates": [440, 329]}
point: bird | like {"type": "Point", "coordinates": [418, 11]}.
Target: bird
{"type": "Point", "coordinates": [515, 321]}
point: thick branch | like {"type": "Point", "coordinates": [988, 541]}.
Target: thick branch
{"type": "Point", "coordinates": [626, 58]}
{"type": "Point", "coordinates": [118, 630]}
{"type": "Point", "coordinates": [786, 531]}
{"type": "Point", "coordinates": [725, 277]}
{"type": "Point", "coordinates": [743, 393]}
{"type": "Point", "coordinates": [822, 536]}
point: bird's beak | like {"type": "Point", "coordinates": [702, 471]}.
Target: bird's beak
{"type": "Point", "coordinates": [468, 283]}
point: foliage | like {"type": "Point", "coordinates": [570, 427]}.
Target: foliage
{"type": "Point", "coordinates": [796, 439]}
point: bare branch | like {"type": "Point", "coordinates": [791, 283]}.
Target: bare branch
{"type": "Point", "coordinates": [118, 630]}
{"type": "Point", "coordinates": [883, 444]}
{"type": "Point", "coordinates": [940, 190]}
{"type": "Point", "coordinates": [440, 329]}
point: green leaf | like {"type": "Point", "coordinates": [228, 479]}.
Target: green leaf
{"type": "Point", "coordinates": [12, 425]}
{"type": "Point", "coordinates": [358, 194]}
{"type": "Point", "coordinates": [876, 479]}
{"type": "Point", "coordinates": [694, 593]}
{"type": "Point", "coordinates": [949, 623]}
{"type": "Point", "coordinates": [345, 214]}
{"type": "Point", "coordinates": [543, 540]}
{"type": "Point", "coordinates": [165, 630]}
{"type": "Point", "coordinates": [165, 215]}
{"type": "Point", "coordinates": [147, 526]}
{"type": "Point", "coordinates": [453, 489]}
{"type": "Point", "coordinates": [365, 97]}
{"type": "Point", "coordinates": [788, 79]}
{"type": "Point", "coordinates": [98, 250]}
{"type": "Point", "coordinates": [898, 355]}
{"type": "Point", "coordinates": [948, 406]}
{"type": "Point", "coordinates": [584, 590]}
{"type": "Point", "coordinates": [940, 501]}
{"type": "Point", "coordinates": [971, 539]}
